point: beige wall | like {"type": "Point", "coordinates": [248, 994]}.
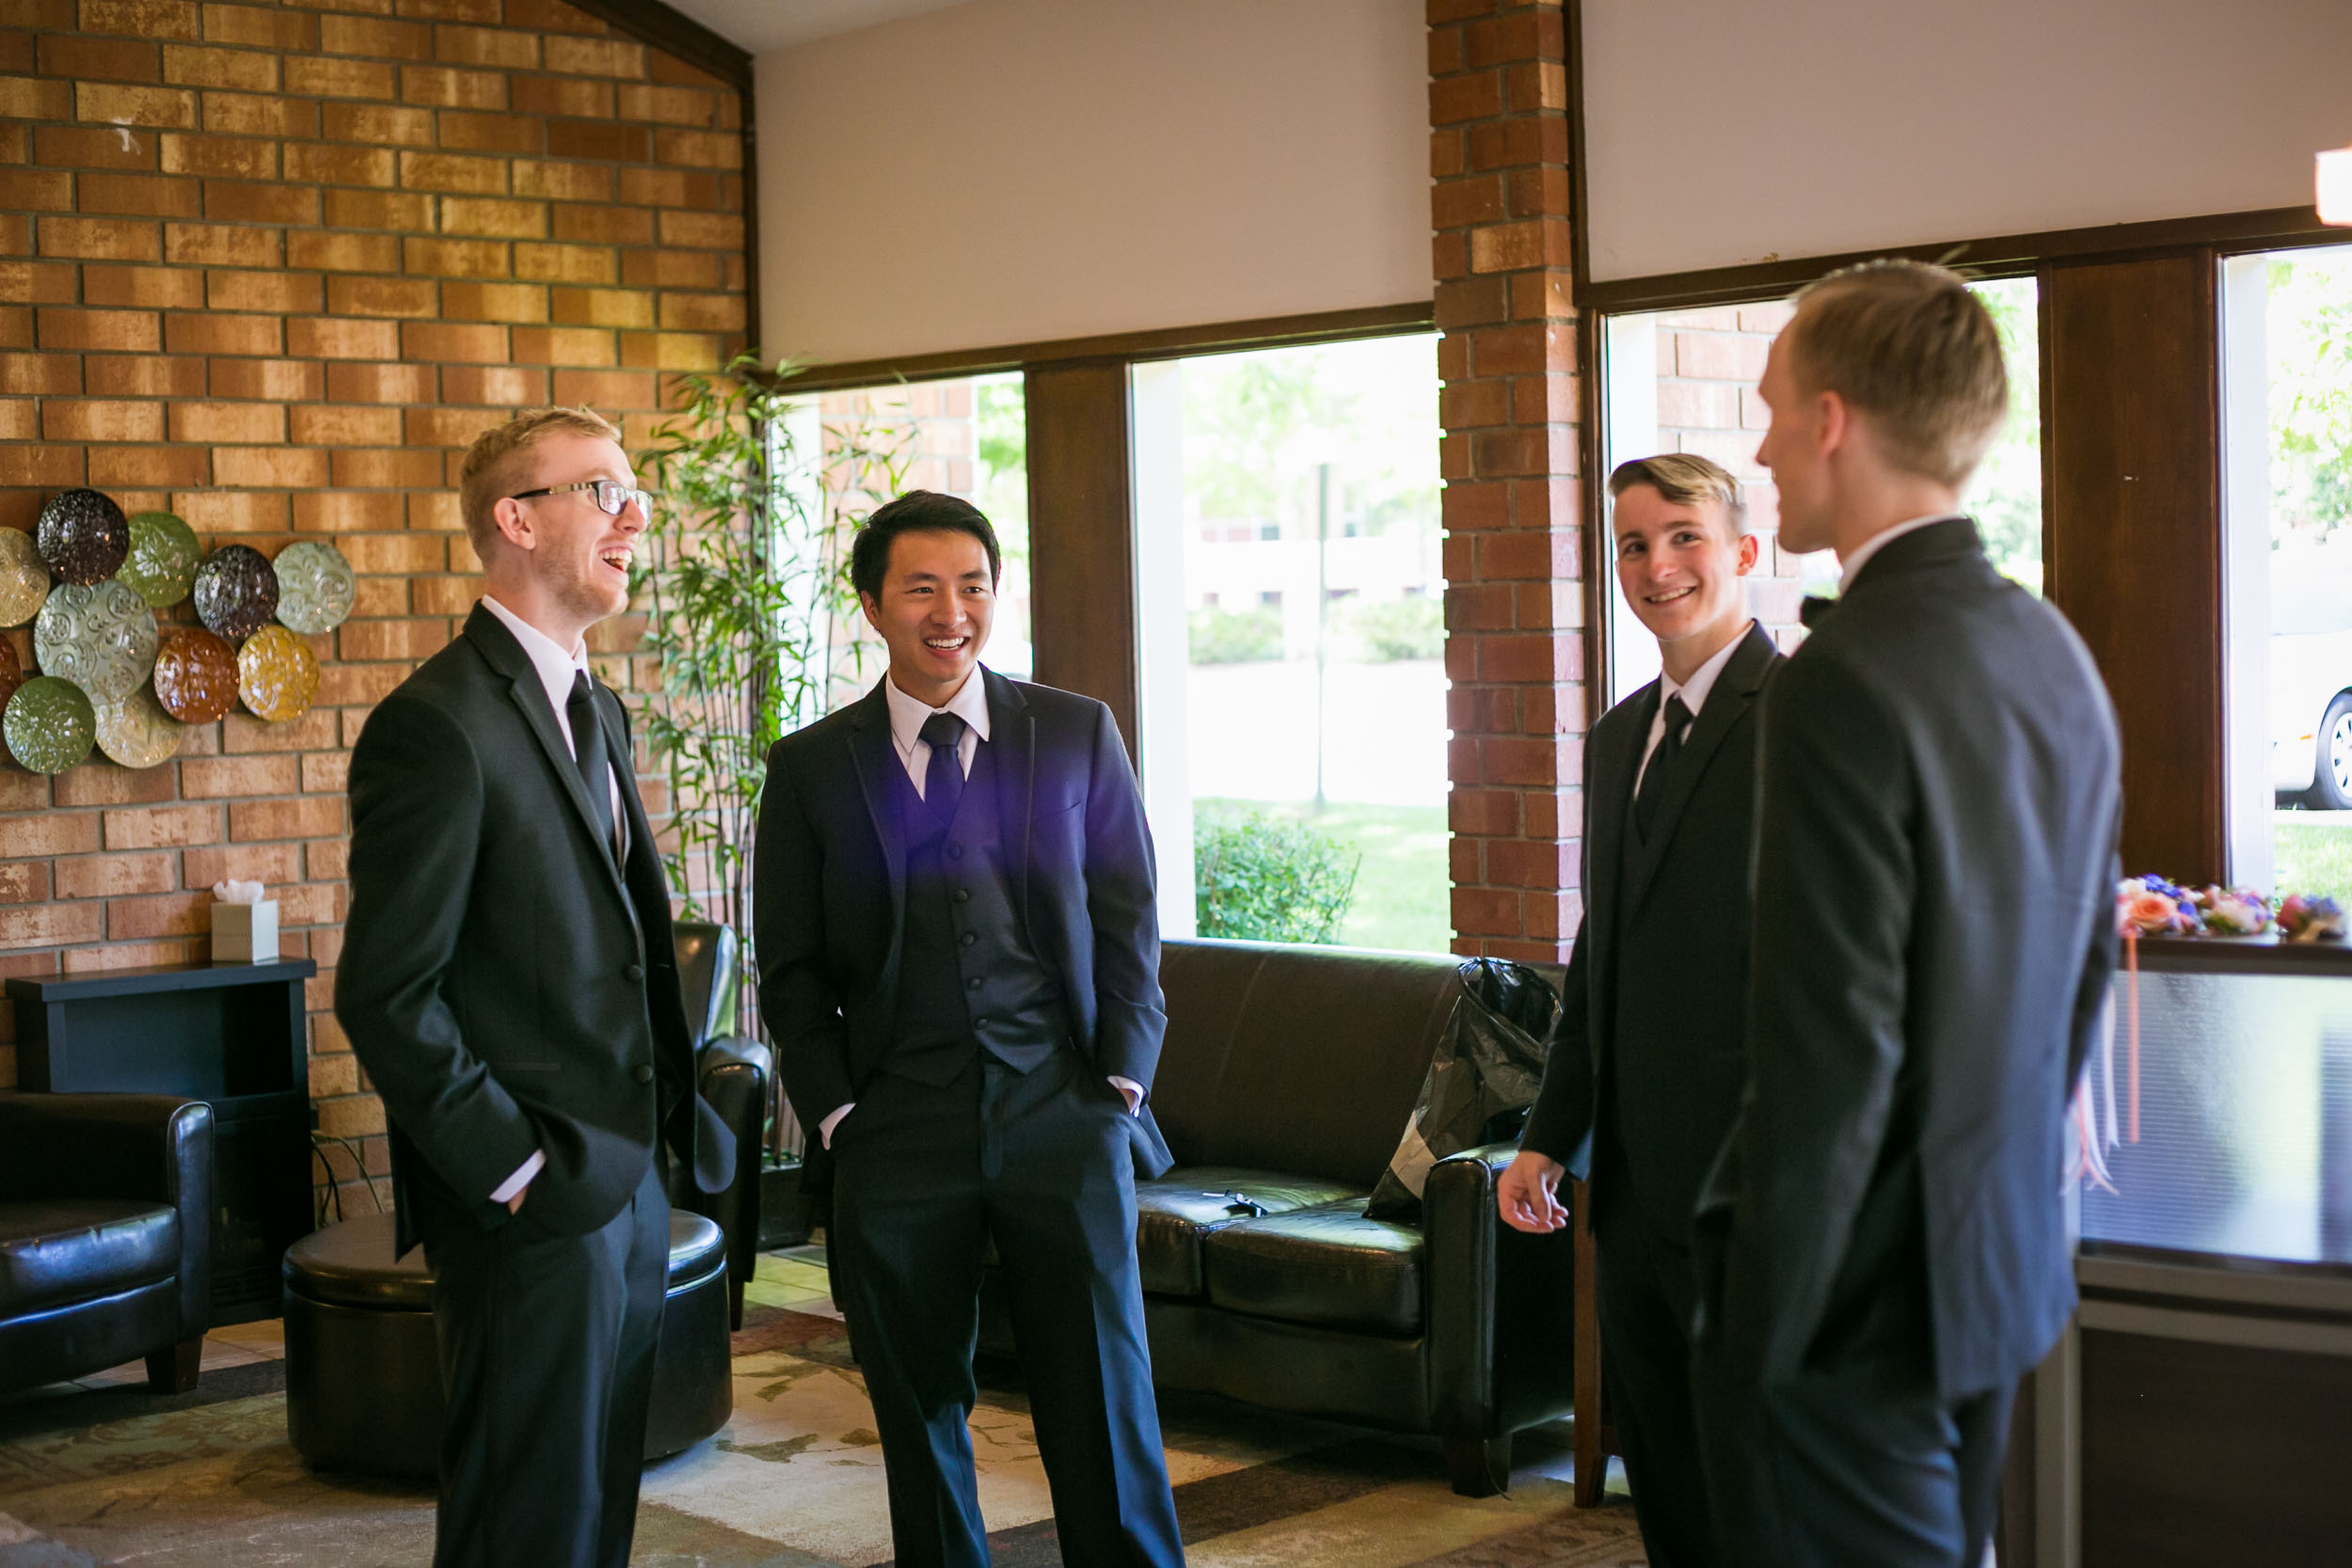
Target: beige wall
{"type": "Point", "coordinates": [1019, 170]}
{"type": "Point", "coordinates": [1721, 133]}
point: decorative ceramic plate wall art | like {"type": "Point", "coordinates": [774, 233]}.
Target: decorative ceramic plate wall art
{"type": "Point", "coordinates": [102, 638]}
{"type": "Point", "coordinates": [137, 733]}
{"type": "Point", "coordinates": [277, 674]}
{"type": "Point", "coordinates": [314, 587]}
{"type": "Point", "coordinates": [196, 676]}
{"type": "Point", "coordinates": [83, 536]}
{"type": "Point", "coordinates": [236, 592]}
{"type": "Point", "coordinates": [24, 578]}
{"type": "Point", "coordinates": [50, 725]}
{"type": "Point", "coordinates": [160, 568]}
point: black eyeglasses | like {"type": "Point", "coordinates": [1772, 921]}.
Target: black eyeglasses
{"type": "Point", "coordinates": [613, 496]}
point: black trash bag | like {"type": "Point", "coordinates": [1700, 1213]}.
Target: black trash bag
{"type": "Point", "coordinates": [1481, 1083]}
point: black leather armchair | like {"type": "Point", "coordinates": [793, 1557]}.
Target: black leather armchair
{"type": "Point", "coordinates": [105, 1236]}
{"type": "Point", "coordinates": [733, 1073]}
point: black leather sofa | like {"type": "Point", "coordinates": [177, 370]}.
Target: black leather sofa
{"type": "Point", "coordinates": [1284, 1085]}
{"type": "Point", "coordinates": [105, 1236]}
{"type": "Point", "coordinates": [734, 1074]}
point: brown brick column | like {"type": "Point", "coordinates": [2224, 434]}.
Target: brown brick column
{"type": "Point", "coordinates": [1498, 157]}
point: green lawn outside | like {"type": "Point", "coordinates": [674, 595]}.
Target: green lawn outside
{"type": "Point", "coordinates": [1401, 889]}
{"type": "Point", "coordinates": [2313, 852]}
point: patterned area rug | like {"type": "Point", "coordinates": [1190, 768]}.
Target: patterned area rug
{"type": "Point", "coordinates": [104, 1474]}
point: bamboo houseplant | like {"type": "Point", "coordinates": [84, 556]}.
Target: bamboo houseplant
{"type": "Point", "coordinates": [744, 581]}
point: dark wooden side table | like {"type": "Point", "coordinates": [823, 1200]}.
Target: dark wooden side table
{"type": "Point", "coordinates": [230, 1034]}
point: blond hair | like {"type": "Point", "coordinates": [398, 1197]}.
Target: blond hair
{"type": "Point", "coordinates": [1907, 344]}
{"type": "Point", "coordinates": [1685, 478]}
{"type": "Point", "coordinates": [498, 462]}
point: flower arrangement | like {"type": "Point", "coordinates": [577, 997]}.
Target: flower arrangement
{"type": "Point", "coordinates": [2153, 907]}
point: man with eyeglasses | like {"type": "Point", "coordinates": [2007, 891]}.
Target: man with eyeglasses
{"type": "Point", "coordinates": [508, 980]}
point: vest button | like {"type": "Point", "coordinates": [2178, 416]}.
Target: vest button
{"type": "Point", "coordinates": [973, 984]}
{"type": "Point", "coordinates": [643, 1072]}
{"type": "Point", "coordinates": [636, 971]}
{"type": "Point", "coordinates": [968, 939]}
{"type": "Point", "coordinates": [962, 895]}
{"type": "Point", "coordinates": [982, 1022]}
{"type": "Point", "coordinates": [955, 851]}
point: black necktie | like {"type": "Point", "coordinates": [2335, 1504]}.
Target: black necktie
{"type": "Point", "coordinates": [943, 781]}
{"type": "Point", "coordinates": [1662, 761]}
{"type": "Point", "coordinates": [589, 755]}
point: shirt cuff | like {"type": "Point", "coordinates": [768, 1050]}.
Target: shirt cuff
{"type": "Point", "coordinates": [833, 1120]}
{"type": "Point", "coordinates": [522, 1177]}
{"type": "Point", "coordinates": [1135, 1105]}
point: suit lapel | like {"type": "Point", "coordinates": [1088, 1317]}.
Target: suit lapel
{"type": "Point", "coordinates": [530, 698]}
{"type": "Point", "coordinates": [872, 755]}
{"type": "Point", "coordinates": [1735, 690]}
{"type": "Point", "coordinates": [1012, 736]}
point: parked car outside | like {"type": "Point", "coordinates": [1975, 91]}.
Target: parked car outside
{"type": "Point", "coordinates": [2310, 684]}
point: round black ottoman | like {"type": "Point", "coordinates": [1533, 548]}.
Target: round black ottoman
{"type": "Point", "coordinates": [363, 1378]}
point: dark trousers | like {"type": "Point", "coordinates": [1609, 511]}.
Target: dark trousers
{"type": "Point", "coordinates": [1855, 1462]}
{"type": "Point", "coordinates": [546, 1361]}
{"type": "Point", "coordinates": [925, 1178]}
{"type": "Point", "coordinates": [1645, 1291]}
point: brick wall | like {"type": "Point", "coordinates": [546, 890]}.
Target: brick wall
{"type": "Point", "coordinates": [1499, 159]}
{"type": "Point", "coordinates": [271, 267]}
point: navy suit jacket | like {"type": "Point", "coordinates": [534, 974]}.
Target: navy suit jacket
{"type": "Point", "coordinates": [830, 890]}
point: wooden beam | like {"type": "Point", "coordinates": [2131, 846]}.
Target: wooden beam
{"type": "Point", "coordinates": [1082, 572]}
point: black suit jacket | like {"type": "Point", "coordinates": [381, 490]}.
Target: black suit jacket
{"type": "Point", "coordinates": [506, 987]}
{"type": "Point", "coordinates": [830, 890]}
{"type": "Point", "coordinates": [1935, 873]}
{"type": "Point", "coordinates": [1652, 1015]}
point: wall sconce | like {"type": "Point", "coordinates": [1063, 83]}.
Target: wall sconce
{"type": "Point", "coordinates": [2335, 185]}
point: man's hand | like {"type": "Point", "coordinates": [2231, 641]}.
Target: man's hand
{"type": "Point", "coordinates": [515, 1204]}
{"type": "Point", "coordinates": [1528, 1193]}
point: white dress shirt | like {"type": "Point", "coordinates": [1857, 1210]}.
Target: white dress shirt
{"type": "Point", "coordinates": [1850, 565]}
{"type": "Point", "coordinates": [1693, 694]}
{"type": "Point", "coordinates": [907, 716]}
{"type": "Point", "coordinates": [556, 670]}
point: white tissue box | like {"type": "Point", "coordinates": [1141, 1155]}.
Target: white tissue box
{"type": "Point", "coordinates": [245, 933]}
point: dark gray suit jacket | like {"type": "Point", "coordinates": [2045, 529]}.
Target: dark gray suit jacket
{"type": "Point", "coordinates": [506, 987]}
{"type": "Point", "coordinates": [830, 890]}
{"type": "Point", "coordinates": [1652, 1015]}
{"type": "Point", "coordinates": [1938, 806]}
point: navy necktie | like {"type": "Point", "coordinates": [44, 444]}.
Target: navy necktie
{"type": "Point", "coordinates": [589, 754]}
{"type": "Point", "coordinates": [943, 781]}
{"type": "Point", "coordinates": [1661, 761]}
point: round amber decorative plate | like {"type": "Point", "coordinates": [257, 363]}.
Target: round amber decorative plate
{"type": "Point", "coordinates": [24, 579]}
{"type": "Point", "coordinates": [236, 592]}
{"type": "Point", "coordinates": [12, 671]}
{"type": "Point", "coordinates": [83, 535]}
{"type": "Point", "coordinates": [49, 725]}
{"type": "Point", "coordinates": [160, 568]}
{"type": "Point", "coordinates": [196, 676]}
{"type": "Point", "coordinates": [102, 639]}
{"type": "Point", "coordinates": [314, 587]}
{"type": "Point", "coordinates": [137, 733]}
{"type": "Point", "coordinates": [277, 674]}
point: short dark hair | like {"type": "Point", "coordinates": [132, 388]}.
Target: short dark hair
{"type": "Point", "coordinates": [916, 512]}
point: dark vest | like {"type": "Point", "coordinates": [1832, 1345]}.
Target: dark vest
{"type": "Point", "coordinates": [969, 979]}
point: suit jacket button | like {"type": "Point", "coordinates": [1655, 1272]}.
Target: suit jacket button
{"type": "Point", "coordinates": [955, 851]}
{"type": "Point", "coordinates": [962, 895]}
{"type": "Point", "coordinates": [636, 971]}
{"type": "Point", "coordinates": [643, 1071]}
{"type": "Point", "coordinates": [973, 984]}
{"type": "Point", "coordinates": [969, 938]}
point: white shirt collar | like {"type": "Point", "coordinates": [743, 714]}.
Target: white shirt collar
{"type": "Point", "coordinates": [969, 704]}
{"type": "Point", "coordinates": [556, 668]}
{"type": "Point", "coordinates": [1850, 565]}
{"type": "Point", "coordinates": [1693, 691]}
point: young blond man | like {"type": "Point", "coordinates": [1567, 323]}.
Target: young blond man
{"type": "Point", "coordinates": [1881, 1253]}
{"type": "Point", "coordinates": [1645, 1074]}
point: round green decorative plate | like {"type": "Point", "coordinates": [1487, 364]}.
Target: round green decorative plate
{"type": "Point", "coordinates": [314, 587]}
{"type": "Point", "coordinates": [277, 674]}
{"type": "Point", "coordinates": [102, 638]}
{"type": "Point", "coordinates": [160, 568]}
{"type": "Point", "coordinates": [23, 578]}
{"type": "Point", "coordinates": [137, 733]}
{"type": "Point", "coordinates": [49, 725]}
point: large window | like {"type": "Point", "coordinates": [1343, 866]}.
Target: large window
{"type": "Point", "coordinates": [2287, 378]}
{"type": "Point", "coordinates": [1685, 381]}
{"type": "Point", "coordinates": [1291, 594]}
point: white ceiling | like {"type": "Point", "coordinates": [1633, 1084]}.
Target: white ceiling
{"type": "Point", "coordinates": [759, 25]}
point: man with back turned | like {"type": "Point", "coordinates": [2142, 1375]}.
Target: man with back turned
{"type": "Point", "coordinates": [1881, 1249]}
